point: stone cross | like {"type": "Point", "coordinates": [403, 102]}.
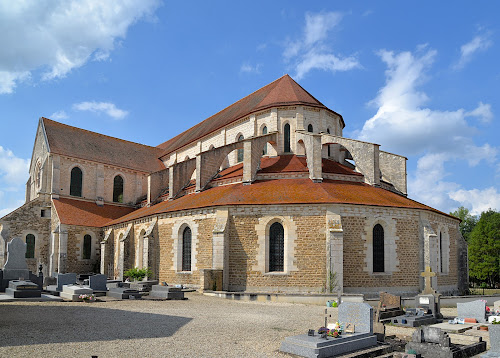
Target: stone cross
{"type": "Point", "coordinates": [427, 274]}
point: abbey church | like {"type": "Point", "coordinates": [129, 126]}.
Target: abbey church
{"type": "Point", "coordinates": [264, 196]}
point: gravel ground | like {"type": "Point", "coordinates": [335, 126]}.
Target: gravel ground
{"type": "Point", "coordinates": [201, 326]}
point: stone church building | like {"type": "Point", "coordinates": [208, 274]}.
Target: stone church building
{"type": "Point", "coordinates": [263, 196]}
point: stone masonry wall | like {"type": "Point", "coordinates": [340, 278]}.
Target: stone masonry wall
{"type": "Point", "coordinates": [76, 263]}
{"type": "Point", "coordinates": [27, 220]}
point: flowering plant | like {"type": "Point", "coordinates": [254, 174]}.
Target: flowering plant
{"type": "Point", "coordinates": [336, 330]}
{"type": "Point", "coordinates": [87, 298]}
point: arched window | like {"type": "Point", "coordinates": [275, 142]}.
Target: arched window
{"type": "Point", "coordinates": [378, 248]}
{"type": "Point", "coordinates": [240, 151]}
{"type": "Point", "coordinates": [87, 246]}
{"type": "Point", "coordinates": [264, 131]}
{"type": "Point", "coordinates": [276, 247]}
{"type": "Point", "coordinates": [440, 252]}
{"type": "Point", "coordinates": [329, 153]}
{"type": "Point", "coordinates": [310, 128]}
{"type": "Point", "coordinates": [186, 249]}
{"type": "Point", "coordinates": [75, 187]}
{"type": "Point", "coordinates": [118, 189]}
{"type": "Point", "coordinates": [30, 246]}
{"type": "Point", "coordinates": [286, 135]}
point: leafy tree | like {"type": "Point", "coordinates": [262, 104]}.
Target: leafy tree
{"type": "Point", "coordinates": [468, 221]}
{"type": "Point", "coordinates": [484, 248]}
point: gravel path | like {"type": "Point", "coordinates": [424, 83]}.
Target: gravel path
{"type": "Point", "coordinates": [201, 326]}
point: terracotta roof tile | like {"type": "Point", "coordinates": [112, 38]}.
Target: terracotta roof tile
{"type": "Point", "coordinates": [282, 191]}
{"type": "Point", "coordinates": [282, 92]}
{"type": "Point", "coordinates": [85, 213]}
{"type": "Point", "coordinates": [83, 144]}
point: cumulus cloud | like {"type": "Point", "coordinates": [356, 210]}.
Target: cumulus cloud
{"type": "Point", "coordinates": [311, 51]}
{"type": "Point", "coordinates": [59, 115]}
{"type": "Point", "coordinates": [478, 200]}
{"type": "Point", "coordinates": [404, 125]}
{"type": "Point", "coordinates": [13, 170]}
{"type": "Point", "coordinates": [57, 36]}
{"type": "Point", "coordinates": [478, 43]}
{"type": "Point", "coordinates": [101, 107]}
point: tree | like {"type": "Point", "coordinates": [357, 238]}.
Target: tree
{"type": "Point", "coordinates": [468, 221]}
{"type": "Point", "coordinates": [484, 248]}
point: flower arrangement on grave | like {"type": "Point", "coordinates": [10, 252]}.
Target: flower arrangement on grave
{"type": "Point", "coordinates": [336, 330]}
{"type": "Point", "coordinates": [87, 298]}
{"type": "Point", "coordinates": [495, 321]}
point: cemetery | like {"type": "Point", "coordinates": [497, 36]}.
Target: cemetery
{"type": "Point", "coordinates": [350, 326]}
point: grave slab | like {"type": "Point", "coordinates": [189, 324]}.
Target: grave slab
{"type": "Point", "coordinates": [16, 266]}
{"type": "Point", "coordinates": [23, 289]}
{"type": "Point", "coordinates": [123, 293]}
{"type": "Point", "coordinates": [98, 282]}
{"type": "Point", "coordinates": [73, 292]}
{"type": "Point", "coordinates": [166, 292]}
{"type": "Point", "coordinates": [454, 328]}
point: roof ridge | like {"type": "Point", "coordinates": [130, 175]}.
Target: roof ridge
{"type": "Point", "coordinates": [222, 110]}
{"type": "Point", "coordinates": [99, 134]}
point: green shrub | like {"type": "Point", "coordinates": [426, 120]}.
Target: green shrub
{"type": "Point", "coordinates": [137, 273]}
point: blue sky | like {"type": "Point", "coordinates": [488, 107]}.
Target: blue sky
{"type": "Point", "coordinates": [420, 79]}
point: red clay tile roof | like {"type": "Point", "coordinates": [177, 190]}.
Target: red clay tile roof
{"type": "Point", "coordinates": [282, 191]}
{"type": "Point", "coordinates": [282, 92]}
{"type": "Point", "coordinates": [287, 164]}
{"type": "Point", "coordinates": [85, 213]}
{"type": "Point", "coordinates": [83, 144]}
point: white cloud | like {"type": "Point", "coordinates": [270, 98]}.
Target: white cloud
{"type": "Point", "coordinates": [13, 170]}
{"type": "Point", "coordinates": [57, 36]}
{"type": "Point", "coordinates": [478, 200]}
{"type": "Point", "coordinates": [106, 107]}
{"type": "Point", "coordinates": [59, 115]}
{"type": "Point", "coordinates": [311, 50]}
{"type": "Point", "coordinates": [482, 112]}
{"type": "Point", "coordinates": [478, 43]}
{"type": "Point", "coordinates": [248, 68]}
{"type": "Point", "coordinates": [404, 125]}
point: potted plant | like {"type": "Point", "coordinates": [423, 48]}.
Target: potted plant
{"type": "Point", "coordinates": [138, 274]}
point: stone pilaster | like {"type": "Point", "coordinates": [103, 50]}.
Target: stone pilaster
{"type": "Point", "coordinates": [335, 251]}
{"type": "Point", "coordinates": [56, 176]}
{"type": "Point", "coordinates": [62, 263]}
{"type": "Point", "coordinates": [220, 249]}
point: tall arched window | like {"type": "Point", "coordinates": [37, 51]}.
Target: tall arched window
{"type": "Point", "coordinates": [186, 249]}
{"type": "Point", "coordinates": [264, 131]}
{"type": "Point", "coordinates": [310, 128]}
{"type": "Point", "coordinates": [75, 187]}
{"type": "Point", "coordinates": [378, 248]}
{"type": "Point", "coordinates": [30, 246]}
{"type": "Point", "coordinates": [286, 139]}
{"type": "Point", "coordinates": [276, 247]}
{"type": "Point", "coordinates": [87, 247]}
{"type": "Point", "coordinates": [118, 189]}
{"type": "Point", "coordinates": [240, 151]}
{"type": "Point", "coordinates": [329, 153]}
{"type": "Point", "coordinates": [440, 252]}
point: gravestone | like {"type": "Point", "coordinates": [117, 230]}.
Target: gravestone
{"type": "Point", "coordinates": [358, 316]}
{"type": "Point", "coordinates": [475, 309]}
{"type": "Point", "coordinates": [16, 266]}
{"type": "Point", "coordinates": [143, 286]}
{"type": "Point", "coordinates": [434, 342]}
{"type": "Point", "coordinates": [494, 332]}
{"type": "Point", "coordinates": [98, 282]}
{"type": "Point", "coordinates": [65, 279]}
{"type": "Point", "coordinates": [73, 292]}
{"type": "Point", "coordinates": [23, 289]}
{"type": "Point", "coordinates": [167, 292]}
{"type": "Point", "coordinates": [389, 306]}
{"type": "Point", "coordinates": [124, 293]}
